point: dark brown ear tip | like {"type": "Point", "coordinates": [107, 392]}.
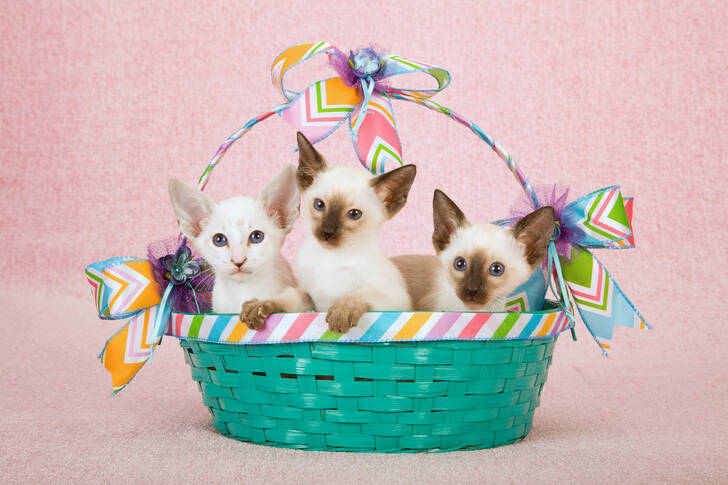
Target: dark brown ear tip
{"type": "Point", "coordinates": [302, 140]}
{"type": "Point", "coordinates": [408, 170]}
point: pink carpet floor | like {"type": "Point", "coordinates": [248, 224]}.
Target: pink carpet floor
{"type": "Point", "coordinates": [101, 103]}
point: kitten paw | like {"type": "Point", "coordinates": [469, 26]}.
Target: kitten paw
{"type": "Point", "coordinates": [343, 315]}
{"type": "Point", "coordinates": [255, 312]}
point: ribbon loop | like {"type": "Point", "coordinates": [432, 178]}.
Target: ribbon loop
{"type": "Point", "coordinates": [122, 287]}
{"type": "Point", "coordinates": [397, 65]}
{"type": "Point", "coordinates": [599, 220]}
{"type": "Point", "coordinates": [291, 57]}
{"type": "Point", "coordinates": [363, 85]}
{"type": "Point", "coordinates": [321, 108]}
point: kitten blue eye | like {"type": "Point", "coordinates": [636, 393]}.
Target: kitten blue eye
{"type": "Point", "coordinates": [319, 205]}
{"type": "Point", "coordinates": [256, 236]}
{"type": "Point", "coordinates": [496, 269]}
{"type": "Point", "coordinates": [219, 240]}
{"type": "Point", "coordinates": [460, 264]}
{"type": "Point", "coordinates": [354, 214]}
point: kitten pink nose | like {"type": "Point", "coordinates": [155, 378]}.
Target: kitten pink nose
{"type": "Point", "coordinates": [239, 263]}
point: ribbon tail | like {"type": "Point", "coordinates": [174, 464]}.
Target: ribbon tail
{"type": "Point", "coordinates": [554, 270]}
{"type": "Point", "coordinates": [126, 352]}
{"type": "Point", "coordinates": [367, 86]}
{"type": "Point", "coordinates": [376, 142]}
{"type": "Point", "coordinates": [161, 320]}
{"type": "Point", "coordinates": [601, 302]}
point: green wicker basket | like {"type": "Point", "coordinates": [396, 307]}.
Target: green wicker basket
{"type": "Point", "coordinates": [383, 397]}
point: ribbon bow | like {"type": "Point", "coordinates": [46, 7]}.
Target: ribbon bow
{"type": "Point", "coordinates": [360, 96]}
{"type": "Point", "coordinates": [601, 219]}
{"type": "Point", "coordinates": [124, 288]}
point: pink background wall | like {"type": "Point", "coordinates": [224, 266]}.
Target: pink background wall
{"type": "Point", "coordinates": [101, 104]}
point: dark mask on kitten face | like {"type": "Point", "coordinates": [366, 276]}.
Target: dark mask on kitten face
{"type": "Point", "coordinates": [339, 215]}
{"type": "Point", "coordinates": [486, 262]}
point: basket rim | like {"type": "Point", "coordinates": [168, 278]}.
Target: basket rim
{"type": "Point", "coordinates": [552, 308]}
{"type": "Point", "coordinates": [374, 327]}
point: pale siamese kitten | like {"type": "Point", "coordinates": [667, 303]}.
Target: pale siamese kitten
{"type": "Point", "coordinates": [340, 265]}
{"type": "Point", "coordinates": [241, 239]}
{"type": "Point", "coordinates": [477, 265]}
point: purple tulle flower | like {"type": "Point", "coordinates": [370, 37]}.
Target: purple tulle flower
{"type": "Point", "coordinates": [191, 275]}
{"type": "Point", "coordinates": [180, 267]}
{"type": "Point", "coordinates": [549, 195]}
{"type": "Point", "coordinates": [362, 63]}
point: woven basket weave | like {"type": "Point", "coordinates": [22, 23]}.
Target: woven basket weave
{"type": "Point", "coordinates": [384, 397]}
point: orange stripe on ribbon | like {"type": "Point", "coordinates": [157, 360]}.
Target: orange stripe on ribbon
{"type": "Point", "coordinates": [238, 332]}
{"type": "Point", "coordinates": [413, 325]}
{"type": "Point", "coordinates": [547, 325]}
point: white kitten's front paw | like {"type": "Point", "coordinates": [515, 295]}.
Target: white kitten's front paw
{"type": "Point", "coordinates": [344, 314]}
{"type": "Point", "coordinates": [255, 312]}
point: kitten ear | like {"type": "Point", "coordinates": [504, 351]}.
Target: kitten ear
{"type": "Point", "coordinates": [281, 199]}
{"type": "Point", "coordinates": [534, 231]}
{"type": "Point", "coordinates": [191, 206]}
{"type": "Point", "coordinates": [310, 162]}
{"type": "Point", "coordinates": [447, 218]}
{"type": "Point", "coordinates": [392, 187]}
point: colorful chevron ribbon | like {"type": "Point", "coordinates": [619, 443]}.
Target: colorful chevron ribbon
{"type": "Point", "coordinates": [601, 219]}
{"type": "Point", "coordinates": [125, 289]}
{"type": "Point", "coordinates": [360, 96]}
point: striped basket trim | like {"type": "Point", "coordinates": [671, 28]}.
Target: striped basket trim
{"type": "Point", "coordinates": [373, 327]}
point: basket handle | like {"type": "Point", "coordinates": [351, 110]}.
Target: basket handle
{"type": "Point", "coordinates": [502, 153]}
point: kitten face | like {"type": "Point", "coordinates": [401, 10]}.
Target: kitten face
{"type": "Point", "coordinates": [345, 204]}
{"type": "Point", "coordinates": [240, 236]}
{"type": "Point", "coordinates": [485, 262]}
{"type": "Point", "coordinates": [239, 239]}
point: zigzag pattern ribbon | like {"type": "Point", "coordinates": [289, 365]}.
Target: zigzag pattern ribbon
{"type": "Point", "coordinates": [321, 108]}
{"type": "Point", "coordinates": [124, 288]}
{"type": "Point", "coordinates": [602, 219]}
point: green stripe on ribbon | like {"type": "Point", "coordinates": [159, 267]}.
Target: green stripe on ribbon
{"type": "Point", "coordinates": [379, 149]}
{"type": "Point", "coordinates": [506, 326]}
{"type": "Point", "coordinates": [100, 289]}
{"type": "Point", "coordinates": [320, 108]}
{"type": "Point", "coordinates": [315, 49]}
{"type": "Point", "coordinates": [518, 301]}
{"type": "Point", "coordinates": [195, 326]}
{"type": "Point", "coordinates": [619, 203]}
{"type": "Point", "coordinates": [329, 335]}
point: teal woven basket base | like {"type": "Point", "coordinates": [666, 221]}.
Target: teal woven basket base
{"type": "Point", "coordinates": [385, 397]}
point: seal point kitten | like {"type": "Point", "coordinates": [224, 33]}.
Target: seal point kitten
{"type": "Point", "coordinates": [477, 265]}
{"type": "Point", "coordinates": [340, 264]}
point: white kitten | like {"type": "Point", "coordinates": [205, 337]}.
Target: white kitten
{"type": "Point", "coordinates": [340, 264]}
{"type": "Point", "coordinates": [477, 266]}
{"type": "Point", "coordinates": [241, 238]}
